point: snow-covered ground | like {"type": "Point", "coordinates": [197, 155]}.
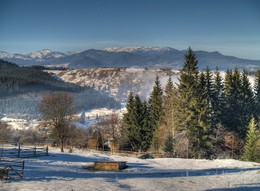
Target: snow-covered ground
{"type": "Point", "coordinates": [64, 171]}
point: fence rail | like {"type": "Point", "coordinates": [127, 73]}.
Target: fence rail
{"type": "Point", "coordinates": [8, 150]}
{"type": "Point", "coordinates": [11, 168]}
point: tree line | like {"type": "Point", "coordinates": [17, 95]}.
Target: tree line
{"type": "Point", "coordinates": [15, 80]}
{"type": "Point", "coordinates": [203, 116]}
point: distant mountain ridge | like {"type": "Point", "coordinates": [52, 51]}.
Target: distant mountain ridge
{"type": "Point", "coordinates": [140, 49]}
{"type": "Point", "coordinates": [137, 56]}
{"type": "Point", "coordinates": [36, 57]}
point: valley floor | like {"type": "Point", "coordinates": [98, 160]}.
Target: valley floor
{"type": "Point", "coordinates": [64, 171]}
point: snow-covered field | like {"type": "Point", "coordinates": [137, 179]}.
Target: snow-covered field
{"type": "Point", "coordinates": [64, 171]}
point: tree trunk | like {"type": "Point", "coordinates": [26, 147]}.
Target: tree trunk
{"type": "Point", "coordinates": [61, 145]}
{"type": "Point", "coordinates": [188, 147]}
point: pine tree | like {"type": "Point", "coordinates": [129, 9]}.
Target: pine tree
{"type": "Point", "coordinates": [136, 131]}
{"type": "Point", "coordinates": [168, 144]}
{"type": "Point", "coordinates": [246, 104]}
{"type": "Point", "coordinates": [199, 126]}
{"type": "Point", "coordinates": [257, 93]}
{"type": "Point", "coordinates": [191, 63]}
{"type": "Point", "coordinates": [187, 89]}
{"type": "Point", "coordinates": [210, 94]}
{"type": "Point", "coordinates": [136, 123]}
{"type": "Point", "coordinates": [192, 89]}
{"type": "Point", "coordinates": [146, 132]}
{"type": "Point", "coordinates": [228, 102]}
{"type": "Point", "coordinates": [174, 117]}
{"type": "Point", "coordinates": [128, 116]}
{"type": "Point", "coordinates": [232, 91]}
{"type": "Point", "coordinates": [218, 98]}
{"type": "Point", "coordinates": [238, 102]}
{"type": "Point", "coordinates": [130, 121]}
{"type": "Point", "coordinates": [155, 109]}
{"type": "Point", "coordinates": [250, 153]}
{"type": "Point", "coordinates": [169, 106]}
{"type": "Point", "coordinates": [188, 76]}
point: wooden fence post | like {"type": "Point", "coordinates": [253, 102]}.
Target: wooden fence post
{"type": "Point", "coordinates": [23, 168]}
{"type": "Point", "coordinates": [19, 149]}
{"type": "Point", "coordinates": [2, 150]}
{"type": "Point", "coordinates": [34, 151]}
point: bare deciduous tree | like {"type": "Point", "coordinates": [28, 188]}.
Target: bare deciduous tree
{"type": "Point", "coordinates": [57, 108]}
{"type": "Point", "coordinates": [32, 136]}
{"type": "Point", "coordinates": [5, 132]}
{"type": "Point", "coordinates": [78, 138]}
{"type": "Point", "coordinates": [109, 129]}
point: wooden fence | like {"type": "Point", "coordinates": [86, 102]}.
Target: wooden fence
{"type": "Point", "coordinates": [11, 168]}
{"type": "Point", "coordinates": [17, 150]}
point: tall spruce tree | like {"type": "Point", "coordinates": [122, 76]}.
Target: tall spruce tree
{"type": "Point", "coordinates": [190, 63]}
{"type": "Point", "coordinates": [137, 133]}
{"type": "Point", "coordinates": [188, 76]}
{"type": "Point", "coordinates": [250, 153]}
{"type": "Point", "coordinates": [187, 88]}
{"type": "Point", "coordinates": [192, 90]}
{"type": "Point", "coordinates": [246, 104]}
{"type": "Point", "coordinates": [238, 102]}
{"type": "Point", "coordinates": [174, 117]}
{"type": "Point", "coordinates": [257, 94]}
{"type": "Point", "coordinates": [168, 144]}
{"type": "Point", "coordinates": [228, 99]}
{"type": "Point", "coordinates": [146, 131]}
{"type": "Point", "coordinates": [218, 98]}
{"type": "Point", "coordinates": [169, 107]}
{"type": "Point", "coordinates": [236, 99]}
{"type": "Point", "coordinates": [128, 116]}
{"type": "Point", "coordinates": [200, 125]}
{"type": "Point", "coordinates": [136, 123]}
{"type": "Point", "coordinates": [232, 89]}
{"type": "Point", "coordinates": [155, 109]}
{"type": "Point", "coordinates": [129, 121]}
{"type": "Point", "coordinates": [210, 94]}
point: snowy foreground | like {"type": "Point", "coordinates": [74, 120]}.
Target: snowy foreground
{"type": "Point", "coordinates": [64, 171]}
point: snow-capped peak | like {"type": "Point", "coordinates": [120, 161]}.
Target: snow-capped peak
{"type": "Point", "coordinates": [44, 54]}
{"type": "Point", "coordinates": [138, 49]}
{"type": "Point", "coordinates": [5, 54]}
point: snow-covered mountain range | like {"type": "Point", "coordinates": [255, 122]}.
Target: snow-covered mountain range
{"type": "Point", "coordinates": [46, 53]}
{"type": "Point", "coordinates": [33, 57]}
{"type": "Point", "coordinates": [140, 49]}
{"type": "Point", "coordinates": [137, 56]}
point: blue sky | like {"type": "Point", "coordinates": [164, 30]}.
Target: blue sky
{"type": "Point", "coordinates": [229, 26]}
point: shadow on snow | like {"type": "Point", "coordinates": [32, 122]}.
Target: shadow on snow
{"type": "Point", "coordinates": [244, 187]}
{"type": "Point", "coordinates": [65, 166]}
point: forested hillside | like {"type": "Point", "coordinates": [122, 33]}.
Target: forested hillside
{"type": "Point", "coordinates": [15, 80]}
{"type": "Point", "coordinates": [21, 89]}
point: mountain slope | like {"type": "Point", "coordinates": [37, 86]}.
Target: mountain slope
{"type": "Point", "coordinates": [32, 58]}
{"type": "Point", "coordinates": [21, 89]}
{"type": "Point", "coordinates": [142, 57]}
{"type": "Point", "coordinates": [45, 54]}
{"type": "Point", "coordinates": [139, 57]}
{"type": "Point", "coordinates": [16, 80]}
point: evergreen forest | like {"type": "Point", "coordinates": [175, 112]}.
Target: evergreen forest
{"type": "Point", "coordinates": [205, 115]}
